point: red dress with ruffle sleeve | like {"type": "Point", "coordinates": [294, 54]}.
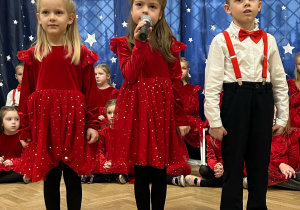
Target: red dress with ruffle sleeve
{"type": "Point", "coordinates": [10, 149]}
{"type": "Point", "coordinates": [57, 105]}
{"type": "Point", "coordinates": [294, 94]}
{"type": "Point", "coordinates": [149, 106]}
{"type": "Point", "coordinates": [284, 149]}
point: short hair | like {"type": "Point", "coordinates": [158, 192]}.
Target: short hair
{"type": "Point", "coordinates": [20, 65]}
{"type": "Point", "coordinates": [227, 1]}
{"type": "Point", "coordinates": [3, 112]}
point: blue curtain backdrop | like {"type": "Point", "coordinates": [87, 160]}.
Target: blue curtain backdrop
{"type": "Point", "coordinates": [194, 22]}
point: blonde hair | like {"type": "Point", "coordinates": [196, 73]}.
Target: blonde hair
{"type": "Point", "coordinates": [20, 65]}
{"type": "Point", "coordinates": [161, 36]}
{"type": "Point", "coordinates": [183, 59]}
{"type": "Point", "coordinates": [72, 37]}
{"type": "Point", "coordinates": [106, 69]}
{"type": "Point", "coordinates": [297, 73]}
{"type": "Point", "coordinates": [3, 112]}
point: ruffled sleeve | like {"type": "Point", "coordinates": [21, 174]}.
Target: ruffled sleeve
{"type": "Point", "coordinates": [90, 89]}
{"type": "Point", "coordinates": [193, 108]}
{"type": "Point", "coordinates": [175, 75]}
{"type": "Point", "coordinates": [26, 56]}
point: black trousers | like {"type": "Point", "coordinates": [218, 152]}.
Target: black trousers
{"type": "Point", "coordinates": [247, 114]}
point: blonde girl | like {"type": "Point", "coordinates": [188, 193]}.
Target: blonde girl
{"type": "Point", "coordinates": [57, 105]}
{"type": "Point", "coordinates": [149, 109]}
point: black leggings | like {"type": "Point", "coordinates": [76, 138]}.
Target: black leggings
{"type": "Point", "coordinates": [144, 175]}
{"type": "Point", "coordinates": [209, 175]}
{"type": "Point", "coordinates": [52, 188]}
{"type": "Point", "coordinates": [10, 177]}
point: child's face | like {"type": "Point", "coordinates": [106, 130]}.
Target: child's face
{"type": "Point", "coordinates": [101, 77]}
{"type": "Point", "coordinates": [243, 11]}
{"type": "Point", "coordinates": [19, 74]}
{"type": "Point", "coordinates": [151, 8]}
{"type": "Point", "coordinates": [297, 65]}
{"type": "Point", "coordinates": [185, 69]}
{"type": "Point", "coordinates": [54, 19]}
{"type": "Point", "coordinates": [110, 113]}
{"type": "Point", "coordinates": [11, 122]}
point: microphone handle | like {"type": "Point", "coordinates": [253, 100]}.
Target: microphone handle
{"type": "Point", "coordinates": [144, 32]}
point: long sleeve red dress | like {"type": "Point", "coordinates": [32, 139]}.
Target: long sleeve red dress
{"type": "Point", "coordinates": [10, 149]}
{"type": "Point", "coordinates": [149, 106]}
{"type": "Point", "coordinates": [57, 105]}
{"type": "Point", "coordinates": [284, 149]}
{"type": "Point", "coordinates": [294, 94]}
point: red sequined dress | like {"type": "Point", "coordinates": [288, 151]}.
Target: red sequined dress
{"type": "Point", "coordinates": [10, 149]}
{"type": "Point", "coordinates": [149, 106]}
{"type": "Point", "coordinates": [57, 105]}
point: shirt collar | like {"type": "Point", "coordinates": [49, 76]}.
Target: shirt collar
{"type": "Point", "coordinates": [234, 29]}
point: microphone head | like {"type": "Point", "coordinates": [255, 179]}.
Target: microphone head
{"type": "Point", "coordinates": [147, 19]}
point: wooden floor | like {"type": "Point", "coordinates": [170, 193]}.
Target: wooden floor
{"type": "Point", "coordinates": [104, 196]}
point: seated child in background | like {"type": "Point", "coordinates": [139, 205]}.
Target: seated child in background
{"type": "Point", "coordinates": [213, 172]}
{"type": "Point", "coordinates": [102, 169]}
{"type": "Point", "coordinates": [105, 90]}
{"type": "Point", "coordinates": [13, 96]}
{"type": "Point", "coordinates": [285, 160]}
{"type": "Point", "coordinates": [10, 146]}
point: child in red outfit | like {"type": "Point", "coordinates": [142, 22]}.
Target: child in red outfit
{"type": "Point", "coordinates": [10, 147]}
{"type": "Point", "coordinates": [105, 90]}
{"type": "Point", "coordinates": [102, 169]}
{"type": "Point", "coordinates": [149, 105]}
{"type": "Point", "coordinates": [294, 92]}
{"type": "Point", "coordinates": [58, 108]}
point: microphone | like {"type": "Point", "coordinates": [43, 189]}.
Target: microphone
{"type": "Point", "coordinates": [144, 30]}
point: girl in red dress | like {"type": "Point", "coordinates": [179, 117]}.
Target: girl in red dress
{"type": "Point", "coordinates": [149, 105]}
{"type": "Point", "coordinates": [294, 92]}
{"type": "Point", "coordinates": [59, 113]}
{"type": "Point", "coordinates": [10, 147]}
{"type": "Point", "coordinates": [285, 160]}
{"type": "Point", "coordinates": [105, 90]}
{"type": "Point", "coordinates": [102, 172]}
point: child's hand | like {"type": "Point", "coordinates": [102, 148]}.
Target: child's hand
{"type": "Point", "coordinates": [24, 143]}
{"type": "Point", "coordinates": [277, 130]}
{"type": "Point", "coordinates": [7, 163]}
{"type": "Point", "coordinates": [138, 29]}
{"type": "Point", "coordinates": [92, 135]}
{"type": "Point", "coordinates": [107, 164]}
{"type": "Point", "coordinates": [1, 159]}
{"type": "Point", "coordinates": [217, 133]}
{"type": "Point", "coordinates": [287, 170]}
{"type": "Point", "coordinates": [101, 117]}
{"type": "Point", "coordinates": [183, 130]}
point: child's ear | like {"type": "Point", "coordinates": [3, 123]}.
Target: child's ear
{"type": "Point", "coordinates": [108, 76]}
{"type": "Point", "coordinates": [16, 76]}
{"type": "Point", "coordinates": [38, 17]}
{"type": "Point", "coordinates": [227, 9]}
{"type": "Point", "coordinates": [259, 6]}
{"type": "Point", "coordinates": [71, 18]}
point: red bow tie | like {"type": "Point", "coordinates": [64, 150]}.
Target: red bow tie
{"type": "Point", "coordinates": [19, 87]}
{"type": "Point", "coordinates": [254, 35]}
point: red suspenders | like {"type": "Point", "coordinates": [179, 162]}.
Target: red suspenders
{"type": "Point", "coordinates": [13, 97]}
{"type": "Point", "coordinates": [235, 63]}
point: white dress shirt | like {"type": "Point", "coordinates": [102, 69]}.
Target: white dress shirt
{"type": "Point", "coordinates": [9, 99]}
{"type": "Point", "coordinates": [250, 56]}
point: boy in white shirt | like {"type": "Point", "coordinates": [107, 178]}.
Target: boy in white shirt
{"type": "Point", "coordinates": [245, 63]}
{"type": "Point", "coordinates": [13, 96]}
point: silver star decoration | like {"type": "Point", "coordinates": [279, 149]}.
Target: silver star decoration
{"type": "Point", "coordinates": [283, 7]}
{"type": "Point", "coordinates": [213, 27]}
{"type": "Point", "coordinates": [31, 38]}
{"type": "Point", "coordinates": [1, 84]}
{"type": "Point", "coordinates": [190, 40]}
{"type": "Point", "coordinates": [32, 1]}
{"type": "Point", "coordinates": [288, 49]}
{"type": "Point", "coordinates": [100, 17]}
{"type": "Point", "coordinates": [188, 10]}
{"type": "Point", "coordinates": [113, 85]}
{"type": "Point", "coordinates": [256, 20]}
{"type": "Point", "coordinates": [15, 22]}
{"type": "Point", "coordinates": [113, 60]}
{"type": "Point", "coordinates": [8, 58]}
{"type": "Point", "coordinates": [124, 24]}
{"type": "Point", "coordinates": [90, 39]}
{"type": "Point", "coordinates": [76, 16]}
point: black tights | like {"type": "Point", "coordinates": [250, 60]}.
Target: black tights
{"type": "Point", "coordinates": [144, 175]}
{"type": "Point", "coordinates": [10, 177]}
{"type": "Point", "coordinates": [52, 188]}
{"type": "Point", "coordinates": [209, 175]}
